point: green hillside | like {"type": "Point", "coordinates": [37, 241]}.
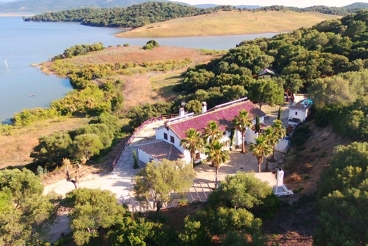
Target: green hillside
{"type": "Point", "coordinates": [41, 6]}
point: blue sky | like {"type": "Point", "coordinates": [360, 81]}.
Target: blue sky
{"type": "Point", "coordinates": [336, 3]}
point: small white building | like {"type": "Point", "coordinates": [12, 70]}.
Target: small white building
{"type": "Point", "coordinates": [299, 112]}
{"type": "Point", "coordinates": [174, 129]}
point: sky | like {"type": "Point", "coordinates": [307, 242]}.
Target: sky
{"type": "Point", "coordinates": [298, 3]}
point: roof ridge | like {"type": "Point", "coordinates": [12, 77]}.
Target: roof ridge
{"type": "Point", "coordinates": [210, 111]}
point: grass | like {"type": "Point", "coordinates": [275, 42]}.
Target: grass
{"type": "Point", "coordinates": [163, 84]}
{"type": "Point", "coordinates": [229, 23]}
{"type": "Point", "coordinates": [16, 148]}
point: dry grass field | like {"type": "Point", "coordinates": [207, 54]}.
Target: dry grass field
{"type": "Point", "coordinates": [229, 23]}
{"type": "Point", "coordinates": [16, 148]}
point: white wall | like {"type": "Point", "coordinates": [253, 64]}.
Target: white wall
{"type": "Point", "coordinates": [187, 157]}
{"type": "Point", "coordinates": [143, 156]}
{"type": "Point", "coordinates": [298, 113]}
{"type": "Point", "coordinates": [282, 145]}
{"type": "Point", "coordinates": [251, 136]}
{"type": "Point", "coordinates": [160, 135]}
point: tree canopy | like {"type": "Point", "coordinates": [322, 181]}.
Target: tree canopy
{"type": "Point", "coordinates": [158, 180]}
{"type": "Point", "coordinates": [343, 198]}
{"type": "Point", "coordinates": [25, 213]}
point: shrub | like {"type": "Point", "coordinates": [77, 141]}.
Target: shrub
{"type": "Point", "coordinates": [300, 136]}
{"type": "Point", "coordinates": [135, 159]}
{"type": "Point", "coordinates": [150, 45]}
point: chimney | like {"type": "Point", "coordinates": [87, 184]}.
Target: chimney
{"type": "Point", "coordinates": [204, 107]}
{"type": "Point", "coordinates": [181, 111]}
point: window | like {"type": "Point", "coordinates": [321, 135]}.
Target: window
{"type": "Point", "coordinates": [165, 135]}
{"type": "Point", "coordinates": [172, 139]}
{"type": "Point", "coordinates": [296, 113]}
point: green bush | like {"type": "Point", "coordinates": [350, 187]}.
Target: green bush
{"type": "Point", "coordinates": [300, 136]}
{"type": "Point", "coordinates": [150, 45]}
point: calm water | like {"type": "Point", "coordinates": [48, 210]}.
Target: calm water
{"type": "Point", "coordinates": [25, 43]}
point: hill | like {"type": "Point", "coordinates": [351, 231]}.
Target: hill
{"type": "Point", "coordinates": [357, 5]}
{"type": "Point", "coordinates": [229, 23]}
{"type": "Point", "coordinates": [42, 6]}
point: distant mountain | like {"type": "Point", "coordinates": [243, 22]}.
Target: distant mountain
{"type": "Point", "coordinates": [205, 6]}
{"type": "Point", "coordinates": [357, 5]}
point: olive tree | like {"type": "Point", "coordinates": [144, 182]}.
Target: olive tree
{"type": "Point", "coordinates": [159, 179]}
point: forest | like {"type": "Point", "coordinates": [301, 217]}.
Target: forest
{"type": "Point", "coordinates": [139, 15]}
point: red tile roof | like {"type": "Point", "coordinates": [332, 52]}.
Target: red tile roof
{"type": "Point", "coordinates": [223, 116]}
{"type": "Point", "coordinates": [162, 150]}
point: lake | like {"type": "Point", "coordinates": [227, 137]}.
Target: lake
{"type": "Point", "coordinates": [25, 43]}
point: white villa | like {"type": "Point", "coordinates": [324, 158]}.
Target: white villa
{"type": "Point", "coordinates": [169, 135]}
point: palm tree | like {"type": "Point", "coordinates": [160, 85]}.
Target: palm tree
{"type": "Point", "coordinates": [279, 131]}
{"type": "Point", "coordinates": [260, 149]}
{"type": "Point", "coordinates": [212, 132]}
{"type": "Point", "coordinates": [272, 140]}
{"type": "Point", "coordinates": [241, 122]}
{"type": "Point", "coordinates": [192, 142]}
{"type": "Point", "coordinates": [216, 155]}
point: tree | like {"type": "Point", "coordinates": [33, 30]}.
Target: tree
{"type": "Point", "coordinates": [242, 238]}
{"type": "Point", "coordinates": [194, 106]}
{"type": "Point", "coordinates": [332, 91]}
{"type": "Point", "coordinates": [159, 179]}
{"type": "Point", "coordinates": [212, 132]}
{"type": "Point", "coordinates": [192, 142]}
{"type": "Point", "coordinates": [86, 145]}
{"type": "Point", "coordinates": [194, 233]}
{"type": "Point", "coordinates": [26, 213]}
{"type": "Point", "coordinates": [92, 209]}
{"type": "Point", "coordinates": [241, 122]}
{"type": "Point", "coordinates": [20, 184]}
{"type": "Point", "coordinates": [279, 114]}
{"type": "Point", "coordinates": [272, 140]}
{"type": "Point", "coordinates": [242, 190]}
{"type": "Point", "coordinates": [134, 230]}
{"type": "Point", "coordinates": [278, 132]}
{"type": "Point", "coordinates": [257, 126]}
{"type": "Point", "coordinates": [51, 150]}
{"type": "Point", "coordinates": [343, 197]}
{"type": "Point", "coordinates": [264, 91]}
{"type": "Point", "coordinates": [216, 155]}
{"type": "Point", "coordinates": [260, 149]}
